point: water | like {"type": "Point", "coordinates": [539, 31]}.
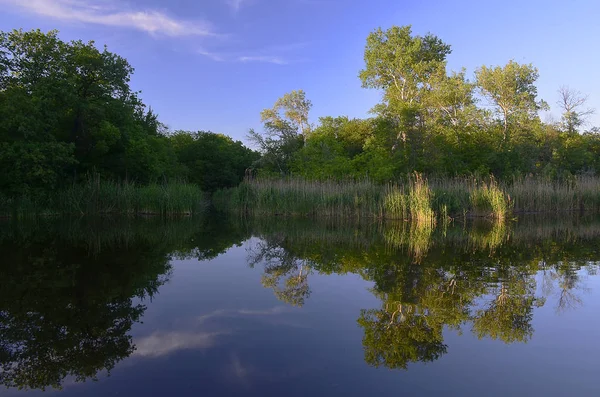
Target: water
{"type": "Point", "coordinates": [222, 307]}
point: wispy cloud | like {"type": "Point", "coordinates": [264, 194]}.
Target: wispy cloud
{"type": "Point", "coordinates": [108, 14]}
{"type": "Point", "coordinates": [236, 5]}
{"type": "Point", "coordinates": [265, 59]}
{"type": "Point", "coordinates": [277, 54]}
{"type": "Point", "coordinates": [211, 55]}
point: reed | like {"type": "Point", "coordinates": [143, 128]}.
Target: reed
{"type": "Point", "coordinates": [489, 200]}
{"type": "Point", "coordinates": [416, 199]}
{"type": "Point", "coordinates": [581, 194]}
{"type": "Point", "coordinates": [96, 196]}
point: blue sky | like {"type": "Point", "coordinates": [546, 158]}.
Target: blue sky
{"type": "Point", "coordinates": [215, 64]}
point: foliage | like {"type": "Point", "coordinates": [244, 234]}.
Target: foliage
{"type": "Point", "coordinates": [211, 160]}
{"type": "Point", "coordinates": [68, 112]}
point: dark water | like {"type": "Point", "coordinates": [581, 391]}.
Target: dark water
{"type": "Point", "coordinates": [218, 307]}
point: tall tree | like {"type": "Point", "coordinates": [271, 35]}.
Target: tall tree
{"type": "Point", "coordinates": [400, 63]}
{"type": "Point", "coordinates": [292, 109]}
{"type": "Point", "coordinates": [512, 91]}
{"type": "Point", "coordinates": [449, 99]}
{"type": "Point", "coordinates": [285, 128]}
{"type": "Point", "coordinates": [573, 105]}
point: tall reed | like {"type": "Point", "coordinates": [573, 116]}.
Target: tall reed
{"type": "Point", "coordinates": [97, 196]}
{"type": "Point", "coordinates": [417, 199]}
{"type": "Point", "coordinates": [488, 199]}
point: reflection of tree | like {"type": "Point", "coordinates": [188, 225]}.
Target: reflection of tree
{"type": "Point", "coordinates": [286, 275]}
{"type": "Point", "coordinates": [566, 277]}
{"type": "Point", "coordinates": [66, 311]}
{"type": "Point", "coordinates": [507, 316]}
{"type": "Point", "coordinates": [482, 280]}
{"type": "Point", "coordinates": [400, 334]}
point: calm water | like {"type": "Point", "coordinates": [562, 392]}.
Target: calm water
{"type": "Point", "coordinates": [217, 307]}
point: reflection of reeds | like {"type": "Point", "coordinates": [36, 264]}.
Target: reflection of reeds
{"type": "Point", "coordinates": [100, 233]}
{"type": "Point", "coordinates": [415, 237]}
{"type": "Point", "coordinates": [326, 237]}
{"type": "Point", "coordinates": [488, 235]}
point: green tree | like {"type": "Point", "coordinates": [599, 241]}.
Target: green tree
{"type": "Point", "coordinates": [292, 108]}
{"type": "Point", "coordinates": [69, 106]}
{"type": "Point", "coordinates": [285, 126]}
{"type": "Point", "coordinates": [511, 90]}
{"type": "Point", "coordinates": [212, 160]}
{"type": "Point", "coordinates": [400, 63]}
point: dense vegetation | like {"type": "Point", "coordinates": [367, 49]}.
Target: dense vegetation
{"type": "Point", "coordinates": [432, 121]}
{"type": "Point", "coordinates": [69, 116]}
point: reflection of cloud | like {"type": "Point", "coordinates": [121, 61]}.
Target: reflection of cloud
{"type": "Point", "coordinates": [243, 312]}
{"type": "Point", "coordinates": [163, 343]}
{"type": "Point", "coordinates": [102, 13]}
{"type": "Point", "coordinates": [239, 370]}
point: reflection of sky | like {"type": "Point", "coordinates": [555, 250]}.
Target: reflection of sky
{"type": "Point", "coordinates": [214, 330]}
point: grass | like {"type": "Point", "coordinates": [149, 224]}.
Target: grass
{"type": "Point", "coordinates": [97, 197]}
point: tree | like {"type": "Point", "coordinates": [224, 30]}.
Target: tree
{"type": "Point", "coordinates": [292, 109]}
{"type": "Point", "coordinates": [450, 101]}
{"type": "Point", "coordinates": [212, 161]}
{"type": "Point", "coordinates": [69, 105]}
{"type": "Point", "coordinates": [400, 63]}
{"type": "Point", "coordinates": [512, 91]}
{"type": "Point", "coordinates": [575, 113]}
{"type": "Point", "coordinates": [285, 126]}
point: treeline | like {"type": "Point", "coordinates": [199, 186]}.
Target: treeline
{"type": "Point", "coordinates": [68, 113]}
{"type": "Point", "coordinates": [433, 121]}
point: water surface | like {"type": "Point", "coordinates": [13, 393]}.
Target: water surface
{"type": "Point", "coordinates": [217, 306]}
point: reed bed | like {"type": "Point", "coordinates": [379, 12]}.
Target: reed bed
{"type": "Point", "coordinates": [417, 199]}
{"type": "Point", "coordinates": [97, 197]}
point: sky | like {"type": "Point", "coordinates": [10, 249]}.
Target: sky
{"type": "Point", "coordinates": [215, 64]}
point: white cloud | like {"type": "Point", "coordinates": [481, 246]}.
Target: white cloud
{"type": "Point", "coordinates": [104, 13]}
{"type": "Point", "coordinates": [163, 343]}
{"type": "Point", "coordinates": [265, 59]}
{"type": "Point", "coordinates": [240, 57]}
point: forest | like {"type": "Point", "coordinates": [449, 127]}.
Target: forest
{"type": "Point", "coordinates": [75, 137]}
